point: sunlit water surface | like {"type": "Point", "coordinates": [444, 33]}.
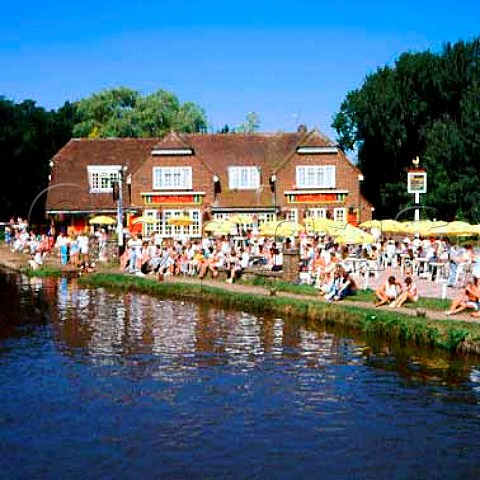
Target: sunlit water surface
{"type": "Point", "coordinates": [99, 385]}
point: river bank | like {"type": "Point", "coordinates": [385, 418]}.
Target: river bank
{"type": "Point", "coordinates": [431, 328]}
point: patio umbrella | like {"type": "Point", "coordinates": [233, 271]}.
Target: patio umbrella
{"type": "Point", "coordinates": [221, 227]}
{"type": "Point", "coordinates": [351, 237]}
{"type": "Point", "coordinates": [102, 220]}
{"type": "Point", "coordinates": [455, 229]}
{"type": "Point", "coordinates": [241, 219]}
{"type": "Point", "coordinates": [340, 228]}
{"type": "Point", "coordinates": [281, 228]}
{"type": "Point", "coordinates": [392, 226]}
{"type": "Point", "coordinates": [424, 227]}
{"type": "Point", "coordinates": [387, 225]}
{"type": "Point", "coordinates": [146, 220]}
{"type": "Point", "coordinates": [318, 225]}
{"type": "Point", "coordinates": [372, 224]}
{"type": "Point", "coordinates": [180, 221]}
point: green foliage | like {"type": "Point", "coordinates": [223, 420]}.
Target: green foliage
{"type": "Point", "coordinates": [426, 104]}
{"type": "Point", "coordinates": [123, 112]}
{"type": "Point", "coordinates": [250, 125]}
{"type": "Point", "coordinates": [29, 137]}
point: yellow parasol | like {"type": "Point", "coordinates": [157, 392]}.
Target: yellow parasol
{"type": "Point", "coordinates": [221, 227]}
{"type": "Point", "coordinates": [372, 224]}
{"type": "Point", "coordinates": [146, 220]}
{"type": "Point", "coordinates": [102, 220]}
{"type": "Point", "coordinates": [351, 237]}
{"type": "Point", "coordinates": [340, 228]}
{"type": "Point", "coordinates": [241, 219]}
{"type": "Point", "coordinates": [318, 225]}
{"type": "Point", "coordinates": [180, 221]}
{"type": "Point", "coordinates": [454, 229]}
{"type": "Point", "coordinates": [388, 225]}
{"type": "Point", "coordinates": [281, 228]}
{"type": "Point", "coordinates": [424, 227]}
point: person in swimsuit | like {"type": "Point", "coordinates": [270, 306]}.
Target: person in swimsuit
{"type": "Point", "coordinates": [467, 300]}
{"type": "Point", "coordinates": [388, 292]}
{"type": "Point", "coordinates": [410, 294]}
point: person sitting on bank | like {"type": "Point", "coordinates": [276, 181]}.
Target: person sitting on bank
{"type": "Point", "coordinates": [240, 265]}
{"type": "Point", "coordinates": [348, 286]}
{"type": "Point", "coordinates": [468, 299]}
{"type": "Point", "coordinates": [388, 292]}
{"type": "Point", "coordinates": [410, 294]}
{"type": "Point", "coordinates": [36, 260]}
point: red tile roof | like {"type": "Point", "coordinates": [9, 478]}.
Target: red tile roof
{"type": "Point", "coordinates": [69, 188]}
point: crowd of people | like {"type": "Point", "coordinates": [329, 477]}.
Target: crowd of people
{"type": "Point", "coordinates": [199, 257]}
{"type": "Point", "coordinates": [335, 270]}
{"type": "Point", "coordinates": [71, 248]}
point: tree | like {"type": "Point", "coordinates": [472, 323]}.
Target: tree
{"type": "Point", "coordinates": [29, 137]}
{"type": "Point", "coordinates": [426, 104]}
{"type": "Point", "coordinates": [123, 112]}
{"type": "Point", "coordinates": [250, 125]}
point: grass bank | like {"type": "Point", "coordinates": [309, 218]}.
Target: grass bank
{"type": "Point", "coordinates": [367, 296]}
{"type": "Point", "coordinates": [450, 335]}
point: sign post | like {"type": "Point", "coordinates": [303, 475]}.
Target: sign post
{"type": "Point", "coordinates": [417, 184]}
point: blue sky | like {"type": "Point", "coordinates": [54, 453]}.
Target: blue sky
{"type": "Point", "coordinates": [290, 61]}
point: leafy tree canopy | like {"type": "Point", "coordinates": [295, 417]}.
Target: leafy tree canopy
{"type": "Point", "coordinates": [426, 104]}
{"type": "Point", "coordinates": [250, 125]}
{"type": "Point", "coordinates": [123, 112]}
{"type": "Point", "coordinates": [29, 137]}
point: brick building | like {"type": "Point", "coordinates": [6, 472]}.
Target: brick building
{"type": "Point", "coordinates": [206, 177]}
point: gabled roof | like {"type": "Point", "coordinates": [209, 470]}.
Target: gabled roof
{"type": "Point", "coordinates": [263, 150]}
{"type": "Point", "coordinates": [172, 141]}
{"type": "Point", "coordinates": [69, 168]}
{"type": "Point", "coordinates": [270, 152]}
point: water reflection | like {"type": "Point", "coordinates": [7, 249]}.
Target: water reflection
{"type": "Point", "coordinates": [104, 325]}
{"type": "Point", "coordinates": [129, 383]}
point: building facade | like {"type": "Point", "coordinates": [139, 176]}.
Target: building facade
{"type": "Point", "coordinates": [205, 177]}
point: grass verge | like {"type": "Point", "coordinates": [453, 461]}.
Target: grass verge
{"type": "Point", "coordinates": [367, 296]}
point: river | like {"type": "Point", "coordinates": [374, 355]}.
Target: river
{"type": "Point", "coordinates": [101, 385]}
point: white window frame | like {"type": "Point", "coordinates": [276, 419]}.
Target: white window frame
{"type": "Point", "coordinates": [149, 228]}
{"type": "Point", "coordinates": [243, 178]}
{"type": "Point", "coordinates": [172, 178]}
{"type": "Point", "coordinates": [292, 215]}
{"type": "Point", "coordinates": [317, 212]}
{"type": "Point", "coordinates": [102, 177]}
{"type": "Point", "coordinates": [265, 218]}
{"type": "Point", "coordinates": [340, 215]}
{"type": "Point", "coordinates": [315, 176]}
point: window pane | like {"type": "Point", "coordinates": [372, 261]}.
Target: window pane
{"type": "Point", "coordinates": [315, 176]}
{"type": "Point", "coordinates": [243, 178]}
{"type": "Point", "coordinates": [172, 178]}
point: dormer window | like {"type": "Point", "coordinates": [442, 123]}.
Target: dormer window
{"type": "Point", "coordinates": [315, 176]}
{"type": "Point", "coordinates": [243, 178]}
{"type": "Point", "coordinates": [102, 177]}
{"type": "Point", "coordinates": [172, 178]}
